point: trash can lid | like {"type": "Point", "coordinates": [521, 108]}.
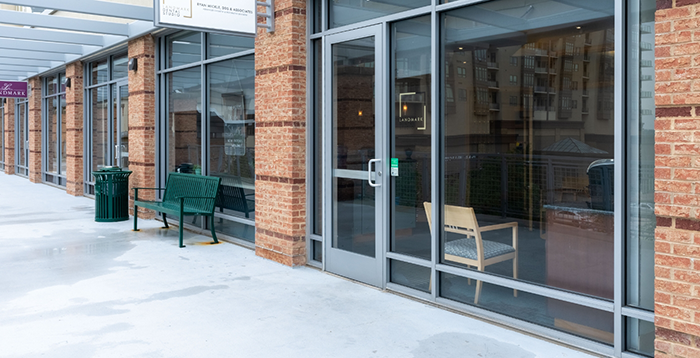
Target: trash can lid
{"type": "Point", "coordinates": [109, 169]}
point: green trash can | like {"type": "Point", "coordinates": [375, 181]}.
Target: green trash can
{"type": "Point", "coordinates": [111, 194]}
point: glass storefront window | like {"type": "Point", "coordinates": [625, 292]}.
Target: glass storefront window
{"type": "Point", "coordinates": [222, 45]}
{"type": "Point", "coordinates": [411, 145]}
{"type": "Point", "coordinates": [641, 220]}
{"type": "Point", "coordinates": [318, 140]}
{"type": "Point", "coordinates": [100, 127]}
{"type": "Point", "coordinates": [542, 162]}
{"type": "Point", "coordinates": [120, 67]}
{"type": "Point", "coordinates": [99, 72]}
{"type": "Point", "coordinates": [2, 133]}
{"type": "Point", "coordinates": [52, 160]}
{"type": "Point", "coordinates": [232, 134]}
{"type": "Point", "coordinates": [184, 48]}
{"type": "Point", "coordinates": [63, 166]}
{"type": "Point", "coordinates": [184, 122]}
{"type": "Point", "coordinates": [345, 12]}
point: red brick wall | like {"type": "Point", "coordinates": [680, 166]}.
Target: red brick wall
{"type": "Point", "coordinates": [280, 136]}
{"type": "Point", "coordinates": [10, 136]}
{"type": "Point", "coordinates": [142, 130]}
{"type": "Point", "coordinates": [74, 129]}
{"type": "Point", "coordinates": [35, 126]}
{"type": "Point", "coordinates": [677, 189]}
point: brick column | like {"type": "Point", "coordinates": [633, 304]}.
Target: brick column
{"type": "Point", "coordinates": [677, 175]}
{"type": "Point", "coordinates": [280, 136]}
{"type": "Point", "coordinates": [142, 129]}
{"type": "Point", "coordinates": [74, 129]}
{"type": "Point", "coordinates": [10, 136]}
{"type": "Point", "coordinates": [35, 130]}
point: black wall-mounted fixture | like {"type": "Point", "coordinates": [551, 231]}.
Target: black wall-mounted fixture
{"type": "Point", "coordinates": [133, 64]}
{"type": "Point", "coordinates": [67, 82]}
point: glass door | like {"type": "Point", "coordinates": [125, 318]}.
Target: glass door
{"type": "Point", "coordinates": [121, 125]}
{"type": "Point", "coordinates": [354, 173]}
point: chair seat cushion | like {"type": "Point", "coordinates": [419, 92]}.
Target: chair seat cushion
{"type": "Point", "coordinates": [467, 248]}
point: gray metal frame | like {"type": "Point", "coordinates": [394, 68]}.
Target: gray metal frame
{"type": "Point", "coordinates": [88, 183]}
{"type": "Point", "coordinates": [161, 106]}
{"type": "Point", "coordinates": [360, 267]}
{"type": "Point", "coordinates": [617, 307]}
{"type": "Point", "coordinates": [59, 178]}
{"type": "Point", "coordinates": [22, 169]}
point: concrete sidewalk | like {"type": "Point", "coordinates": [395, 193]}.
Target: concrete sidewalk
{"type": "Point", "coordinates": [71, 287]}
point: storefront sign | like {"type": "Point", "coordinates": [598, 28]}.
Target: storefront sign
{"type": "Point", "coordinates": [13, 89]}
{"type": "Point", "coordinates": [229, 16]}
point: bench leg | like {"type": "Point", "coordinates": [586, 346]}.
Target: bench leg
{"type": "Point", "coordinates": [181, 225]}
{"type": "Point", "coordinates": [136, 217]}
{"type": "Point", "coordinates": [213, 233]}
{"type": "Point", "coordinates": [165, 221]}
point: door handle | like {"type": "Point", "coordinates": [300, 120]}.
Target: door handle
{"type": "Point", "coordinates": [369, 173]}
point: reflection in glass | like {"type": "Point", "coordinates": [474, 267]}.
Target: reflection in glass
{"type": "Point", "coordinates": [51, 85]}
{"type": "Point", "coordinates": [184, 48]}
{"type": "Point", "coordinates": [63, 150]}
{"type": "Point", "coordinates": [121, 125]}
{"type": "Point", "coordinates": [120, 67]}
{"type": "Point", "coordinates": [232, 141]}
{"type": "Point", "coordinates": [21, 115]}
{"type": "Point", "coordinates": [641, 220]}
{"type": "Point", "coordinates": [184, 120]}
{"type": "Point", "coordinates": [317, 247]}
{"type": "Point", "coordinates": [100, 72]}
{"type": "Point", "coordinates": [100, 127]}
{"type": "Point", "coordinates": [410, 275]}
{"type": "Point", "coordinates": [345, 12]}
{"type": "Point", "coordinates": [222, 45]}
{"type": "Point", "coordinates": [411, 136]}
{"type": "Point", "coordinates": [52, 153]}
{"type": "Point", "coordinates": [529, 138]}
{"type": "Point", "coordinates": [571, 318]}
{"type": "Point", "coordinates": [353, 145]}
{"type": "Point", "coordinates": [318, 140]}
{"type": "Point", "coordinates": [640, 336]}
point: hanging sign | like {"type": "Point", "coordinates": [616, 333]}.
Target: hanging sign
{"type": "Point", "coordinates": [227, 16]}
{"type": "Point", "coordinates": [13, 89]}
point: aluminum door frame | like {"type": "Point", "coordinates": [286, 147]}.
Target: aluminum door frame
{"type": "Point", "coordinates": [117, 145]}
{"type": "Point", "coordinates": [354, 266]}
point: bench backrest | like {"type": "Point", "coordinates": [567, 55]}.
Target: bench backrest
{"type": "Point", "coordinates": [180, 184]}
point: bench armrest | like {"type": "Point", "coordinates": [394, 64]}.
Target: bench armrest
{"type": "Point", "coordinates": [136, 191]}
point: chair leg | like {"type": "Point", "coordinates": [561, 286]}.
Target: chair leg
{"type": "Point", "coordinates": [165, 221]}
{"type": "Point", "coordinates": [478, 285]}
{"type": "Point", "coordinates": [515, 273]}
{"type": "Point", "coordinates": [136, 217]}
{"type": "Point", "coordinates": [213, 232]}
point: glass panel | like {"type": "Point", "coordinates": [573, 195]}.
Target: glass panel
{"type": "Point", "coordinates": [232, 128]}
{"type": "Point", "coordinates": [184, 120]}
{"type": "Point", "coordinates": [52, 135]}
{"type": "Point", "coordinates": [64, 150]}
{"type": "Point", "coordinates": [120, 67]}
{"type": "Point", "coordinates": [318, 12]}
{"type": "Point", "coordinates": [123, 125]}
{"type": "Point", "coordinates": [100, 127]}
{"type": "Point", "coordinates": [22, 122]}
{"type": "Point", "coordinates": [100, 72]}
{"type": "Point", "coordinates": [318, 140]}
{"type": "Point", "coordinates": [549, 312]}
{"type": "Point", "coordinates": [411, 136]}
{"type": "Point", "coordinates": [353, 145]}
{"type": "Point", "coordinates": [317, 247]}
{"type": "Point", "coordinates": [345, 12]}
{"type": "Point", "coordinates": [410, 275]}
{"type": "Point", "coordinates": [539, 164]}
{"type": "Point", "coordinates": [221, 45]}
{"type": "Point", "coordinates": [184, 48]}
{"type": "Point", "coordinates": [51, 85]}
{"type": "Point", "coordinates": [640, 166]}
{"type": "Point", "coordinates": [640, 336]}
{"type": "Point", "coordinates": [235, 229]}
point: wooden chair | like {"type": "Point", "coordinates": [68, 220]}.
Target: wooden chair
{"type": "Point", "coordinates": [473, 250]}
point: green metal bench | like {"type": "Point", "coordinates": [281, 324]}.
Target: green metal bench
{"type": "Point", "coordinates": [184, 194]}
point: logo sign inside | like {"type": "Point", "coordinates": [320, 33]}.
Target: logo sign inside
{"type": "Point", "coordinates": [13, 89]}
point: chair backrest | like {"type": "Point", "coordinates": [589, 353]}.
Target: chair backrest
{"type": "Point", "coordinates": [456, 217]}
{"type": "Point", "coordinates": [180, 184]}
